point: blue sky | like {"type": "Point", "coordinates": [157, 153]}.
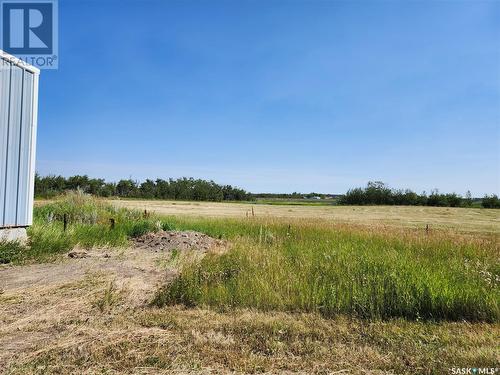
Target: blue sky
{"type": "Point", "coordinates": [277, 96]}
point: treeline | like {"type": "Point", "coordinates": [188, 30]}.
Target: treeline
{"type": "Point", "coordinates": [375, 193]}
{"type": "Point", "coordinates": [378, 193]}
{"type": "Point", "coordinates": [179, 189]}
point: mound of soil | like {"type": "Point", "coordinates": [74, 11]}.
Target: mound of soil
{"type": "Point", "coordinates": [176, 240]}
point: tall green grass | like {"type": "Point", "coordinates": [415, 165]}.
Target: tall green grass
{"type": "Point", "coordinates": [88, 224]}
{"type": "Point", "coordinates": [341, 270]}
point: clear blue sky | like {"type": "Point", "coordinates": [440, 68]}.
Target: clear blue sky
{"type": "Point", "coordinates": [277, 96]}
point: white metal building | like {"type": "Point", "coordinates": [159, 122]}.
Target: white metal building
{"type": "Point", "coordinates": [18, 123]}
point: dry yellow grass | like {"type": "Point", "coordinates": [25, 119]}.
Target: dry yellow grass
{"type": "Point", "coordinates": [461, 219]}
{"type": "Point", "coordinates": [87, 326]}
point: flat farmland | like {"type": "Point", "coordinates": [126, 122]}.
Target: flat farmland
{"type": "Point", "coordinates": [296, 289]}
{"type": "Point", "coordinates": [459, 219]}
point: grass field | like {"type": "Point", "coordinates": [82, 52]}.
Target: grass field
{"type": "Point", "coordinates": [311, 290]}
{"type": "Point", "coordinates": [335, 269]}
{"type": "Point", "coordinates": [459, 219]}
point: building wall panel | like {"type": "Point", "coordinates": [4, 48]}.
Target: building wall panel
{"type": "Point", "coordinates": [4, 122]}
{"type": "Point", "coordinates": [13, 148]}
{"type": "Point", "coordinates": [18, 107]}
{"type": "Point", "coordinates": [34, 122]}
{"type": "Point", "coordinates": [25, 151]}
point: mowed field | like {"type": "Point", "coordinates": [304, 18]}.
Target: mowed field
{"type": "Point", "coordinates": [460, 219]}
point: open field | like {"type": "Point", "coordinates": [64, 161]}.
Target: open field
{"type": "Point", "coordinates": [331, 268]}
{"type": "Point", "coordinates": [292, 294]}
{"type": "Point", "coordinates": [93, 323]}
{"type": "Point", "coordinates": [460, 219]}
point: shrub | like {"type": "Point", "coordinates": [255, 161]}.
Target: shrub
{"type": "Point", "coordinates": [140, 228]}
{"type": "Point", "coordinates": [10, 251]}
{"type": "Point", "coordinates": [491, 201]}
{"type": "Point", "coordinates": [377, 193]}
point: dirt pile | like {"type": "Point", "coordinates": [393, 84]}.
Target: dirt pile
{"type": "Point", "coordinates": [177, 240]}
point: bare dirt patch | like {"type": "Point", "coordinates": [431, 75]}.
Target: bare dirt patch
{"type": "Point", "coordinates": [40, 303]}
{"type": "Point", "coordinates": [138, 264]}
{"type": "Point", "coordinates": [176, 240]}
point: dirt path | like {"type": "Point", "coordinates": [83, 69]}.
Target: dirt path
{"type": "Point", "coordinates": [132, 267]}
{"type": "Point", "coordinates": [45, 304]}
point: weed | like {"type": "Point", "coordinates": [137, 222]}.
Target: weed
{"type": "Point", "coordinates": [110, 298]}
{"type": "Point", "coordinates": [140, 228]}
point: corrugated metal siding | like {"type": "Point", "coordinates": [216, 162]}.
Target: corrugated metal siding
{"type": "Point", "coordinates": [4, 121]}
{"type": "Point", "coordinates": [25, 151]}
{"type": "Point", "coordinates": [18, 90]}
{"type": "Point", "coordinates": [13, 140]}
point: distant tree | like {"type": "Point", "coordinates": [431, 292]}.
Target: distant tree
{"type": "Point", "coordinates": [96, 186]}
{"type": "Point", "coordinates": [108, 190]}
{"type": "Point", "coordinates": [354, 196]}
{"type": "Point", "coordinates": [453, 200]}
{"type": "Point", "coordinates": [49, 186]}
{"type": "Point", "coordinates": [377, 193]}
{"type": "Point", "coordinates": [490, 201]}
{"type": "Point", "coordinates": [127, 188]}
{"type": "Point", "coordinates": [436, 199]}
{"type": "Point", "coordinates": [182, 188]}
{"type": "Point", "coordinates": [467, 201]}
{"type": "Point", "coordinates": [78, 182]}
{"type": "Point", "coordinates": [148, 189]}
